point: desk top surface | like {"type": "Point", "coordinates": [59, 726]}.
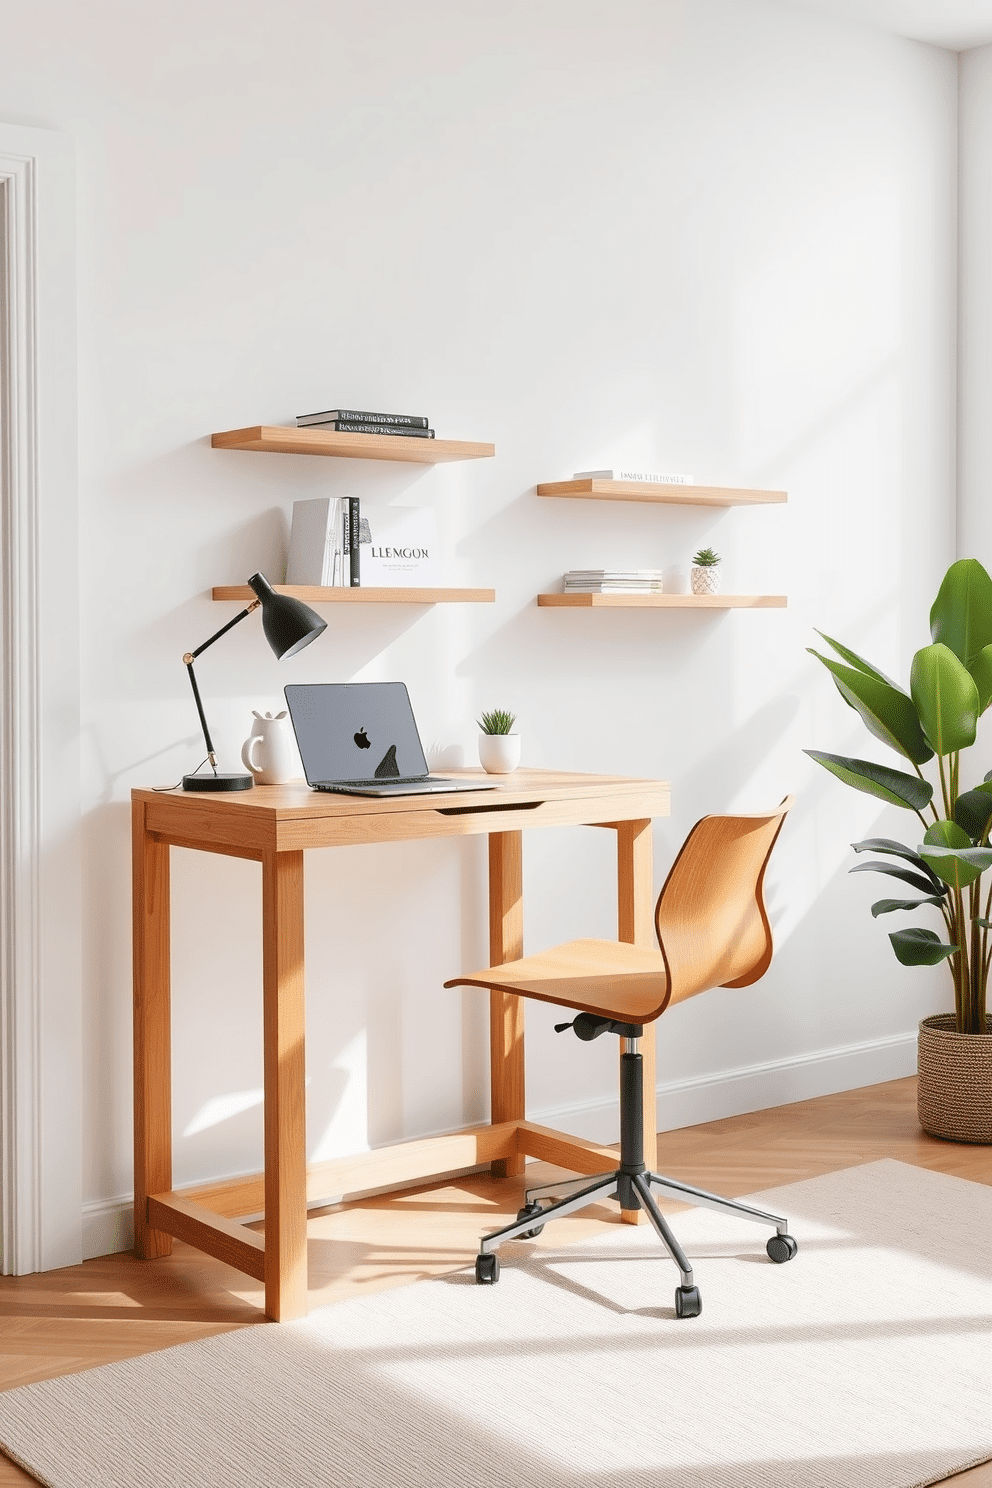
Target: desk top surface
{"type": "Point", "coordinates": [297, 799]}
{"type": "Point", "coordinates": [287, 817]}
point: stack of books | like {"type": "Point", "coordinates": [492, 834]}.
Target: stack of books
{"type": "Point", "coordinates": [350, 421]}
{"type": "Point", "coordinates": [614, 581]}
{"type": "Point", "coordinates": [626, 473]}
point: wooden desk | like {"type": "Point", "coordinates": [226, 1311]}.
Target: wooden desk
{"type": "Point", "coordinates": [274, 825]}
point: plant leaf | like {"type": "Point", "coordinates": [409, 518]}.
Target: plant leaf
{"type": "Point", "coordinates": [946, 834]}
{"type": "Point", "coordinates": [898, 850]}
{"type": "Point", "coordinates": [886, 906]}
{"type": "Point", "coordinates": [920, 947]}
{"type": "Point", "coordinates": [915, 880]}
{"type": "Point", "coordinates": [885, 710]}
{"type": "Point", "coordinates": [959, 866]}
{"type": "Point", "coordinates": [853, 659]}
{"type": "Point", "coordinates": [980, 667]}
{"type": "Point", "coordinates": [985, 924]}
{"type": "Point", "coordinates": [893, 786]}
{"type": "Point", "coordinates": [961, 616]}
{"type": "Point", "coordinates": [973, 811]}
{"type": "Point", "coordinates": [946, 698]}
{"type": "Point", "coordinates": [948, 851]}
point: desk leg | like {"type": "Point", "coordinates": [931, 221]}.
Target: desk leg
{"type": "Point", "coordinates": [635, 924]}
{"type": "Point", "coordinates": [285, 1094]}
{"type": "Point", "coordinates": [152, 1032]}
{"type": "Point", "coordinates": [506, 1011]}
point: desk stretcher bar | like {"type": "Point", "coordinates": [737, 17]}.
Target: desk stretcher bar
{"type": "Point", "coordinates": [207, 1216]}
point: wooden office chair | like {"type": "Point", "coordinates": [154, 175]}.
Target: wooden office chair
{"type": "Point", "coordinates": [712, 931]}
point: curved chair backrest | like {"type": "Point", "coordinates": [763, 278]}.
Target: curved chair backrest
{"type": "Point", "coordinates": [710, 916]}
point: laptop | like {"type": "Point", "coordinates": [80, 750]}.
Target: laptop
{"type": "Point", "coordinates": [361, 739]}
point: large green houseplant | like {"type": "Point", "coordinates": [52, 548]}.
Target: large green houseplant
{"type": "Point", "coordinates": [933, 725]}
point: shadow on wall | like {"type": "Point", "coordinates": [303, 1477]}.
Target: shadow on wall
{"type": "Point", "coordinates": [106, 833]}
{"type": "Point", "coordinates": [96, 766]}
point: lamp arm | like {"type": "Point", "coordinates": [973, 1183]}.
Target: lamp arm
{"type": "Point", "coordinates": [212, 758]}
{"type": "Point", "coordinates": [191, 656]}
{"type": "Point", "coordinates": [223, 630]}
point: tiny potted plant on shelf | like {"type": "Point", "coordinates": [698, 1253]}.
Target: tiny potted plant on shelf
{"type": "Point", "coordinates": [499, 746]}
{"type": "Point", "coordinates": [705, 572]}
{"type": "Point", "coordinates": [950, 687]}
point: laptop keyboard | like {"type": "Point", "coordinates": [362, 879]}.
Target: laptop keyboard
{"type": "Point", "coordinates": [347, 785]}
{"type": "Point", "coordinates": [393, 780]}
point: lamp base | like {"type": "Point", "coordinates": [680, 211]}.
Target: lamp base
{"type": "Point", "coordinates": [218, 782]}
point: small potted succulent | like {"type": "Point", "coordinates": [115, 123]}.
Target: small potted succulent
{"type": "Point", "coordinates": [499, 746]}
{"type": "Point", "coordinates": [706, 575]}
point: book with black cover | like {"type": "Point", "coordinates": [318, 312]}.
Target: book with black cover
{"type": "Point", "coordinates": [353, 416]}
{"type": "Point", "coordinates": [347, 428]}
{"type": "Point", "coordinates": [355, 540]}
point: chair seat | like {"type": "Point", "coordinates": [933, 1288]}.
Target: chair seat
{"type": "Point", "coordinates": [607, 977]}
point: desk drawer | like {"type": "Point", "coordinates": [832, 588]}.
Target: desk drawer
{"type": "Point", "coordinates": [453, 820]}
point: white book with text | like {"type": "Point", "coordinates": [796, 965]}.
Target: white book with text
{"type": "Point", "coordinates": [402, 551]}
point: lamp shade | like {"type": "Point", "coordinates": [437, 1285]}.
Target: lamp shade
{"type": "Point", "coordinates": [289, 625]}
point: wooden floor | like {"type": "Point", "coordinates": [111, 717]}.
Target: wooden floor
{"type": "Point", "coordinates": [116, 1307]}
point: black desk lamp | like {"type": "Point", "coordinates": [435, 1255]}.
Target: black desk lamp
{"type": "Point", "coordinates": [289, 625]}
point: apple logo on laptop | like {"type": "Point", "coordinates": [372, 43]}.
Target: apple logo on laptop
{"type": "Point", "coordinates": [362, 739]}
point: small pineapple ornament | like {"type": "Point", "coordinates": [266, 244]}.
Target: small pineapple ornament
{"type": "Point", "coordinates": [706, 573]}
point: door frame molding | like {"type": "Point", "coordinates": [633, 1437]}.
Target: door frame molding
{"type": "Point", "coordinates": [40, 889]}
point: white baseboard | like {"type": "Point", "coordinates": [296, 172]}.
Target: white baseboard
{"type": "Point", "coordinates": [755, 1087]}
{"type": "Point", "coordinates": [108, 1224]}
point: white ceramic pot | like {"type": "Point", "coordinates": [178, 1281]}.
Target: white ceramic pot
{"type": "Point", "coordinates": [499, 754]}
{"type": "Point", "coordinates": [706, 579]}
{"type": "Point", "coordinates": [269, 752]}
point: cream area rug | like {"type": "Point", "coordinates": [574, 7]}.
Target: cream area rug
{"type": "Point", "coordinates": [866, 1362]}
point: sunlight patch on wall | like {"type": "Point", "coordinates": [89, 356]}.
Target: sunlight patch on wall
{"type": "Point", "coordinates": [347, 1128]}
{"type": "Point", "coordinates": [818, 321]}
{"type": "Point", "coordinates": [221, 1108]}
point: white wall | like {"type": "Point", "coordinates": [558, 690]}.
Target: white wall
{"type": "Point", "coordinates": [975, 305]}
{"type": "Point", "coordinates": [715, 237]}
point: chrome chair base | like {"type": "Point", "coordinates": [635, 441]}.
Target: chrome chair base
{"type": "Point", "coordinates": [637, 1186]}
{"type": "Point", "coordinates": [630, 1184]}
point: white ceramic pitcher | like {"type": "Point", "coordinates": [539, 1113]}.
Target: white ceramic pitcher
{"type": "Point", "coordinates": [268, 751]}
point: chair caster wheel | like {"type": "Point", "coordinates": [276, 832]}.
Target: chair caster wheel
{"type": "Point", "coordinates": [781, 1248]}
{"type": "Point", "coordinates": [688, 1302]}
{"type": "Point", "coordinates": [530, 1211]}
{"type": "Point", "coordinates": [487, 1269]}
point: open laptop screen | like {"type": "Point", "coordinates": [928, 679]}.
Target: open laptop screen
{"type": "Point", "coordinates": [356, 731]}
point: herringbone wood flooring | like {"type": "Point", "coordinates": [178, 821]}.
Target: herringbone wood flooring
{"type": "Point", "coordinates": [116, 1307]}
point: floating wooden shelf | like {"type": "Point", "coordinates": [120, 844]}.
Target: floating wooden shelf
{"type": "Point", "coordinates": [315, 594]}
{"type": "Point", "coordinates": [663, 601]}
{"type": "Point", "coordinates": [283, 440]}
{"type": "Point", "coordinates": [674, 495]}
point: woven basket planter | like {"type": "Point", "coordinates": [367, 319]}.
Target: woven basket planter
{"type": "Point", "coordinates": [954, 1095]}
